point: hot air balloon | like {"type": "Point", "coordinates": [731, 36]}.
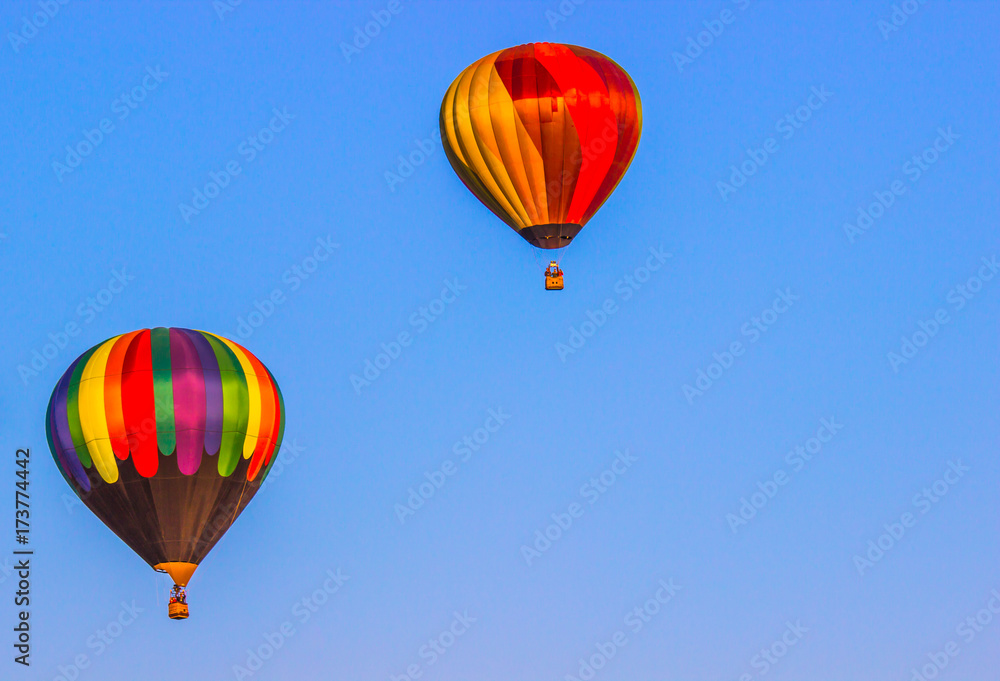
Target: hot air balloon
{"type": "Point", "coordinates": [166, 435]}
{"type": "Point", "coordinates": [542, 134]}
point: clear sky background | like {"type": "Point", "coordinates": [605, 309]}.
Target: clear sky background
{"type": "Point", "coordinates": [353, 455]}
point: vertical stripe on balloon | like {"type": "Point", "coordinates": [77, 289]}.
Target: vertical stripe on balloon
{"type": "Point", "coordinates": [73, 409]}
{"type": "Point", "coordinates": [188, 385]}
{"type": "Point", "coordinates": [276, 421]}
{"type": "Point", "coordinates": [57, 452]}
{"type": "Point", "coordinates": [267, 415]}
{"type": "Point", "coordinates": [627, 111]}
{"type": "Point", "coordinates": [253, 393]}
{"type": "Point", "coordinates": [236, 405]}
{"type": "Point", "coordinates": [138, 406]}
{"type": "Point", "coordinates": [213, 390]}
{"type": "Point", "coordinates": [91, 404]}
{"type": "Point", "coordinates": [113, 395]}
{"type": "Point", "coordinates": [280, 427]}
{"type": "Point", "coordinates": [163, 391]}
{"type": "Point", "coordinates": [60, 429]}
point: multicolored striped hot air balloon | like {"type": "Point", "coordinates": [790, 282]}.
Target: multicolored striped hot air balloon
{"type": "Point", "coordinates": [542, 134]}
{"type": "Point", "coordinates": [166, 435]}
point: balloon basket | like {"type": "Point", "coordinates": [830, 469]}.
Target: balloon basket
{"type": "Point", "coordinates": [177, 608]}
{"type": "Point", "coordinates": [553, 277]}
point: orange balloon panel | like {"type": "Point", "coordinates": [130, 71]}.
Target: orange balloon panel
{"type": "Point", "coordinates": [542, 134]}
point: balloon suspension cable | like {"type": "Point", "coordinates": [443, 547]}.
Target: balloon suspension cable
{"type": "Point", "coordinates": [538, 260]}
{"type": "Point", "coordinates": [162, 572]}
{"type": "Point", "coordinates": [237, 509]}
{"type": "Point", "coordinates": [562, 253]}
{"type": "Point", "coordinates": [542, 262]}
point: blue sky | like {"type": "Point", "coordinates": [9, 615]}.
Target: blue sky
{"type": "Point", "coordinates": [787, 577]}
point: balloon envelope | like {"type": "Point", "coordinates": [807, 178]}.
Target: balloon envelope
{"type": "Point", "coordinates": [542, 134]}
{"type": "Point", "coordinates": [166, 435]}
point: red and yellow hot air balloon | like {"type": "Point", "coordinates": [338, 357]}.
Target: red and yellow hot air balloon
{"type": "Point", "coordinates": [542, 134]}
{"type": "Point", "coordinates": [166, 435]}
